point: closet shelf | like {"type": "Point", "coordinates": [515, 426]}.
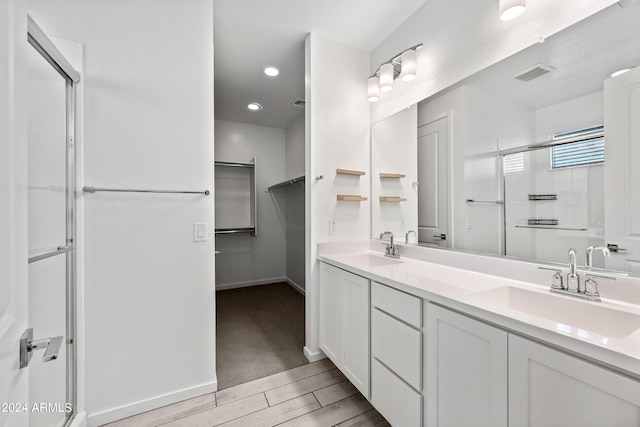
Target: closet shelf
{"type": "Point", "coordinates": [349, 172]}
{"type": "Point", "coordinates": [287, 183]}
{"type": "Point", "coordinates": [392, 199]}
{"type": "Point", "coordinates": [351, 198]}
{"type": "Point", "coordinates": [391, 175]}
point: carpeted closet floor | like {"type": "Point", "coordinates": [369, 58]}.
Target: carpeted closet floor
{"type": "Point", "coordinates": [260, 332]}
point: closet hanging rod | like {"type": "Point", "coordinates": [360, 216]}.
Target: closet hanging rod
{"type": "Point", "coordinates": [542, 227]}
{"type": "Point", "coordinates": [235, 164]}
{"type": "Point", "coordinates": [286, 183]}
{"type": "Point", "coordinates": [128, 190]}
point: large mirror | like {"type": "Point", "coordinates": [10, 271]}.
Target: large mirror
{"type": "Point", "coordinates": [528, 158]}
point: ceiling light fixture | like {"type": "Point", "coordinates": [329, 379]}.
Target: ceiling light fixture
{"type": "Point", "coordinates": [254, 106]}
{"type": "Point", "coordinates": [511, 9]}
{"type": "Point", "coordinates": [403, 65]}
{"type": "Point", "coordinates": [622, 71]}
{"type": "Point", "coordinates": [271, 71]}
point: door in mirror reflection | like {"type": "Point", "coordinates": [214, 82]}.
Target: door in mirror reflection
{"type": "Point", "coordinates": [622, 173]}
{"type": "Point", "coordinates": [433, 188]}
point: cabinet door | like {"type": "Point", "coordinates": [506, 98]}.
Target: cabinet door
{"type": "Point", "coordinates": [331, 301]}
{"type": "Point", "coordinates": [356, 331]}
{"type": "Point", "coordinates": [550, 388]}
{"type": "Point", "coordinates": [466, 370]}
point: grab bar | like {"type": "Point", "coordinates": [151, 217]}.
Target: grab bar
{"type": "Point", "coordinates": [125, 190]}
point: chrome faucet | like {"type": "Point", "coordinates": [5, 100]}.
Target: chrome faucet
{"type": "Point", "coordinates": [590, 249]}
{"type": "Point", "coordinates": [392, 250]}
{"type": "Point", "coordinates": [573, 288]}
{"type": "Point", "coordinates": [406, 236]}
{"type": "Point", "coordinates": [573, 279]}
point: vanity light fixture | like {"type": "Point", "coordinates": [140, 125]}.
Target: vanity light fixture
{"type": "Point", "coordinates": [254, 106]}
{"type": "Point", "coordinates": [386, 77]}
{"type": "Point", "coordinates": [373, 89]}
{"type": "Point", "coordinates": [621, 71]}
{"type": "Point", "coordinates": [403, 65]}
{"type": "Point", "coordinates": [409, 60]}
{"type": "Point", "coordinates": [511, 9]}
{"type": "Point", "coordinates": [271, 71]}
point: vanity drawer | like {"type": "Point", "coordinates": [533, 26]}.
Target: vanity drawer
{"type": "Point", "coordinates": [395, 400]}
{"type": "Point", "coordinates": [398, 346]}
{"type": "Point", "coordinates": [403, 306]}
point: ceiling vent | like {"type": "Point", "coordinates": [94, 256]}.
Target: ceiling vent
{"type": "Point", "coordinates": [298, 103]}
{"type": "Point", "coordinates": [533, 72]}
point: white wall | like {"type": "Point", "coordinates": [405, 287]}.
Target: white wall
{"type": "Point", "coordinates": [294, 150]}
{"type": "Point", "coordinates": [246, 260]}
{"type": "Point", "coordinates": [150, 302]}
{"type": "Point", "coordinates": [337, 136]}
{"type": "Point", "coordinates": [295, 214]}
{"type": "Point", "coordinates": [462, 37]}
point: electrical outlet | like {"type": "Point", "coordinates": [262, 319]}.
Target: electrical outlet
{"type": "Point", "coordinates": [468, 223]}
{"type": "Point", "coordinates": [333, 228]}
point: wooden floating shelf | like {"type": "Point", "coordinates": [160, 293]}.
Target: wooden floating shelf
{"type": "Point", "coordinates": [392, 199]}
{"type": "Point", "coordinates": [392, 175]}
{"type": "Point", "coordinates": [349, 198]}
{"type": "Point", "coordinates": [349, 172]}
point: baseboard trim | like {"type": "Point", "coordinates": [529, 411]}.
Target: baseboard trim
{"type": "Point", "coordinates": [114, 414]}
{"type": "Point", "coordinates": [80, 420]}
{"type": "Point", "coordinates": [237, 285]}
{"type": "Point", "coordinates": [313, 356]}
{"type": "Point", "coordinates": [295, 286]}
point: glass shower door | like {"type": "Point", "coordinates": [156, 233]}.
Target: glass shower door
{"type": "Point", "coordinates": [549, 210]}
{"type": "Point", "coordinates": [51, 225]}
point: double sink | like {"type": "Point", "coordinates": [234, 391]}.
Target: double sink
{"type": "Point", "coordinates": [567, 315]}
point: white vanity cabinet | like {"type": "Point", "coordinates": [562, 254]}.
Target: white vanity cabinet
{"type": "Point", "coordinates": [396, 355]}
{"type": "Point", "coordinates": [466, 371]}
{"type": "Point", "coordinates": [550, 388]}
{"type": "Point", "coordinates": [344, 323]}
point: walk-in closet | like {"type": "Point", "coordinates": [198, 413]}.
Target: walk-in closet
{"type": "Point", "coordinates": [259, 236]}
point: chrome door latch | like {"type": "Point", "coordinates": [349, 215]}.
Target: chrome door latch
{"type": "Point", "coordinates": [28, 345]}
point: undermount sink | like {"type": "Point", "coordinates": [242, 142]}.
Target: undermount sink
{"type": "Point", "coordinates": [566, 312]}
{"type": "Point", "coordinates": [370, 260]}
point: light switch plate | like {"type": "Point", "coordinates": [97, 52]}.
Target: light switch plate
{"type": "Point", "coordinates": [200, 232]}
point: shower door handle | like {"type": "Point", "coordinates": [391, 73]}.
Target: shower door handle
{"type": "Point", "coordinates": [28, 345]}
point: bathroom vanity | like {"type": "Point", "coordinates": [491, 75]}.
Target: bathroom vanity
{"type": "Point", "coordinates": [438, 345]}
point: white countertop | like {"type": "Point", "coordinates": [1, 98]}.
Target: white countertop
{"type": "Point", "coordinates": [606, 332]}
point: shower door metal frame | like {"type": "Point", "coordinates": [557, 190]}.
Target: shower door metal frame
{"type": "Point", "coordinates": [45, 47]}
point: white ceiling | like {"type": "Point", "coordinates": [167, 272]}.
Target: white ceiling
{"type": "Point", "coordinates": [583, 56]}
{"type": "Point", "coordinates": [251, 34]}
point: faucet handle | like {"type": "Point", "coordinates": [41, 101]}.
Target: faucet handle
{"type": "Point", "coordinates": [556, 279]}
{"type": "Point", "coordinates": [591, 289]}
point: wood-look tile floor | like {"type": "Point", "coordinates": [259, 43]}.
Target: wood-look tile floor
{"type": "Point", "coordinates": [313, 395]}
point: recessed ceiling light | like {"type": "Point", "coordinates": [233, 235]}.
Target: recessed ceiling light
{"type": "Point", "coordinates": [254, 106]}
{"type": "Point", "coordinates": [271, 71]}
{"type": "Point", "coordinates": [511, 9]}
{"type": "Point", "coordinates": [622, 71]}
